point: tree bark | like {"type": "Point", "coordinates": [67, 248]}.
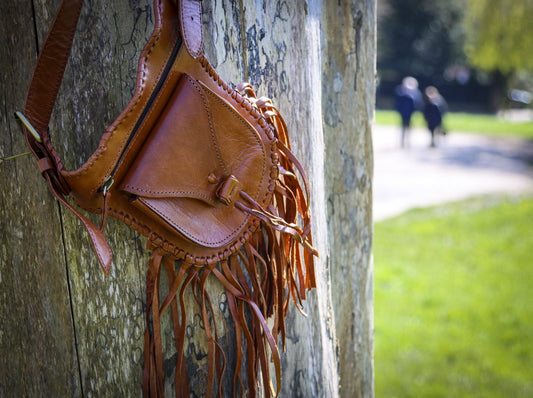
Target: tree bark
{"type": "Point", "coordinates": [348, 84]}
{"type": "Point", "coordinates": [68, 330]}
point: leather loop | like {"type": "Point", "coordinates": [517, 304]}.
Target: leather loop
{"type": "Point", "coordinates": [228, 190]}
{"type": "Point", "coordinates": [44, 164]}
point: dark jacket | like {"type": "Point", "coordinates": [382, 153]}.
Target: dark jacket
{"type": "Point", "coordinates": [434, 109]}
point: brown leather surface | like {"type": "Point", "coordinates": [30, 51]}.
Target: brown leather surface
{"type": "Point", "coordinates": [194, 149]}
{"type": "Point", "coordinates": [89, 178]}
{"type": "Point", "coordinates": [181, 151]}
{"type": "Point", "coordinates": [50, 66]}
{"type": "Point", "coordinates": [197, 167]}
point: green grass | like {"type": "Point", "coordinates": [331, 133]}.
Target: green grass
{"type": "Point", "coordinates": [454, 301]}
{"type": "Point", "coordinates": [466, 122]}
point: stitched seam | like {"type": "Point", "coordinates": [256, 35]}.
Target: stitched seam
{"type": "Point", "coordinates": [108, 134]}
{"type": "Point", "coordinates": [189, 235]}
{"type": "Point", "coordinates": [166, 192]}
{"type": "Point", "coordinates": [248, 128]}
{"type": "Point", "coordinates": [148, 54]}
{"type": "Point", "coordinates": [212, 73]}
{"type": "Point", "coordinates": [141, 127]}
{"type": "Point", "coordinates": [144, 230]}
{"type": "Point", "coordinates": [211, 130]}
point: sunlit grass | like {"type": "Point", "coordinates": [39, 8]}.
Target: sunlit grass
{"type": "Point", "coordinates": [454, 301]}
{"type": "Point", "coordinates": [466, 122]}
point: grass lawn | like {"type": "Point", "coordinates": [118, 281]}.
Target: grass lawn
{"type": "Point", "coordinates": [466, 122]}
{"type": "Point", "coordinates": [454, 300]}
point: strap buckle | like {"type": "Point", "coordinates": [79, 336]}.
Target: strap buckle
{"type": "Point", "coordinates": [33, 132]}
{"type": "Point", "coordinates": [107, 185]}
{"type": "Point", "coordinates": [28, 125]}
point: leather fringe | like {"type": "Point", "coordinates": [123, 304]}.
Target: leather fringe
{"type": "Point", "coordinates": [260, 280]}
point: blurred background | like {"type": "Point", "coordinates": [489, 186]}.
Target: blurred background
{"type": "Point", "coordinates": [453, 210]}
{"type": "Point", "coordinates": [478, 52]}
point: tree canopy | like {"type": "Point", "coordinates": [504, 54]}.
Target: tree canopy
{"type": "Point", "coordinates": [499, 34]}
{"type": "Point", "coordinates": [419, 38]}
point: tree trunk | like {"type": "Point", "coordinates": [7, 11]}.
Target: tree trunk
{"type": "Point", "coordinates": [348, 94]}
{"type": "Point", "coordinates": [68, 330]}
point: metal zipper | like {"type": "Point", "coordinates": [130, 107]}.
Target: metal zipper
{"type": "Point", "coordinates": [110, 181]}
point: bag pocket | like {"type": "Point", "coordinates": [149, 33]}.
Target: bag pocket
{"type": "Point", "coordinates": [200, 154]}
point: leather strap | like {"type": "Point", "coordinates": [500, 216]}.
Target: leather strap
{"type": "Point", "coordinates": [52, 61]}
{"type": "Point", "coordinates": [98, 240]}
{"type": "Point", "coordinates": [39, 104]}
{"type": "Point", "coordinates": [50, 67]}
{"type": "Point", "coordinates": [44, 87]}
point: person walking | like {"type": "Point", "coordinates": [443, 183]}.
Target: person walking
{"type": "Point", "coordinates": [408, 100]}
{"type": "Point", "coordinates": [434, 109]}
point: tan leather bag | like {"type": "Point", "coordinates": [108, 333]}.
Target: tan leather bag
{"type": "Point", "coordinates": [205, 172]}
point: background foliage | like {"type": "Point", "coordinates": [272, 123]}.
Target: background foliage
{"type": "Point", "coordinates": [420, 38]}
{"type": "Point", "coordinates": [474, 51]}
{"type": "Point", "coordinates": [499, 34]}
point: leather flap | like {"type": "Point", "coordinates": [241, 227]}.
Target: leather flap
{"type": "Point", "coordinates": [200, 154]}
{"type": "Point", "coordinates": [179, 158]}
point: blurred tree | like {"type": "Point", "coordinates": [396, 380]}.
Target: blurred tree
{"type": "Point", "coordinates": [420, 38]}
{"type": "Point", "coordinates": [499, 35]}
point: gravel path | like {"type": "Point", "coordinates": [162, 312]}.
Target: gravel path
{"type": "Point", "coordinates": [462, 165]}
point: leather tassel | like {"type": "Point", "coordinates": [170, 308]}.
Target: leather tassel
{"type": "Point", "coordinates": [261, 279]}
{"type": "Point", "coordinates": [153, 381]}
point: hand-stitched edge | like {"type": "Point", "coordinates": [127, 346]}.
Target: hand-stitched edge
{"type": "Point", "coordinates": [180, 254]}
{"type": "Point", "coordinates": [133, 104]}
{"type": "Point", "coordinates": [209, 120]}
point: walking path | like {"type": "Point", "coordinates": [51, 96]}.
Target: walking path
{"type": "Point", "coordinates": [462, 165]}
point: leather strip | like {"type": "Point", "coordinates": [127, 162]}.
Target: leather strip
{"type": "Point", "coordinates": [98, 240]}
{"type": "Point", "coordinates": [180, 377]}
{"type": "Point", "coordinates": [50, 66]}
{"type": "Point", "coordinates": [153, 383]}
{"type": "Point", "coordinates": [40, 99]}
{"type": "Point", "coordinates": [209, 336]}
{"type": "Point", "coordinates": [266, 331]}
{"type": "Point", "coordinates": [191, 26]}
